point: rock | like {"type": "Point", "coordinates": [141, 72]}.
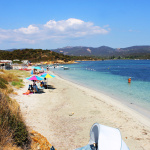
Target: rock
{"type": "Point", "coordinates": [71, 114]}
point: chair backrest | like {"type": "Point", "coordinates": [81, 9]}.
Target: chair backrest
{"type": "Point", "coordinates": [107, 138]}
{"type": "Point", "coordinates": [39, 86]}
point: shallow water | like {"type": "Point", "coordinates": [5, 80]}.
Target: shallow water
{"type": "Point", "coordinates": [111, 77]}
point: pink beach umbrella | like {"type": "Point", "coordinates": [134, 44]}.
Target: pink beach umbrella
{"type": "Point", "coordinates": [34, 78]}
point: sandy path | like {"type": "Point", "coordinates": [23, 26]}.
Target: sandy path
{"type": "Point", "coordinates": [65, 114]}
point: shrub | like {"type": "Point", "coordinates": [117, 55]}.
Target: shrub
{"type": "Point", "coordinates": [11, 123]}
{"type": "Point", "coordinates": [2, 85]}
{"type": "Point", "coordinates": [8, 76]}
{"type": "Point", "coordinates": [20, 133]}
{"type": "Point", "coordinates": [3, 80]}
{"type": "Point", "coordinates": [12, 128]}
{"type": "Point", "coordinates": [18, 84]}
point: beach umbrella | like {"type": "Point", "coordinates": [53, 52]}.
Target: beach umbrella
{"type": "Point", "coordinates": [46, 75]}
{"type": "Point", "coordinates": [53, 76]}
{"type": "Point", "coordinates": [34, 78]}
{"type": "Point", "coordinates": [36, 67]}
{"type": "Point", "coordinates": [39, 68]}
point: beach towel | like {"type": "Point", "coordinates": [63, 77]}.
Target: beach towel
{"type": "Point", "coordinates": [27, 93]}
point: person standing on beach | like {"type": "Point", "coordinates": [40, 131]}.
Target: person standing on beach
{"type": "Point", "coordinates": [42, 69]}
{"type": "Point", "coordinates": [47, 68]}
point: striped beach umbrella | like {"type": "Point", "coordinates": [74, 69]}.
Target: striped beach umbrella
{"type": "Point", "coordinates": [34, 78]}
{"type": "Point", "coordinates": [46, 75]}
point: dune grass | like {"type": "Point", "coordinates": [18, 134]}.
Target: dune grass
{"type": "Point", "coordinates": [13, 76]}
{"type": "Point", "coordinates": [13, 130]}
{"type": "Point", "coordinates": [18, 84]}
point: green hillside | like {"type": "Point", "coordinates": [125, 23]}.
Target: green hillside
{"type": "Point", "coordinates": [37, 55]}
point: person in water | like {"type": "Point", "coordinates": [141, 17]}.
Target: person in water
{"type": "Point", "coordinates": [129, 80]}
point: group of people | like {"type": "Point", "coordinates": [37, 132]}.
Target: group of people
{"type": "Point", "coordinates": [35, 87]}
{"type": "Point", "coordinates": [41, 71]}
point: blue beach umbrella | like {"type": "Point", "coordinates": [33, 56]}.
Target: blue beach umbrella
{"type": "Point", "coordinates": [35, 67]}
{"type": "Point", "coordinates": [53, 76]}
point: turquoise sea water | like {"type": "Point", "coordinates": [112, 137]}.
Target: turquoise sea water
{"type": "Point", "coordinates": [111, 77]}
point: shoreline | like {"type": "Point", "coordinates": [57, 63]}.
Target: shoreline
{"type": "Point", "coordinates": [134, 107]}
{"type": "Point", "coordinates": [115, 101]}
{"type": "Point", "coordinates": [49, 114]}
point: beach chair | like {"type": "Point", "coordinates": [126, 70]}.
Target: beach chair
{"type": "Point", "coordinates": [39, 87]}
{"type": "Point", "coordinates": [104, 138]}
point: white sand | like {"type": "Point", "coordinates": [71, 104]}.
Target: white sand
{"type": "Point", "coordinates": [65, 114]}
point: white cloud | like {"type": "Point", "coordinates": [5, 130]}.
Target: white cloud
{"type": "Point", "coordinates": [5, 34]}
{"type": "Point", "coordinates": [29, 30]}
{"type": "Point", "coordinates": [74, 27]}
{"type": "Point", "coordinates": [130, 30]}
{"type": "Point", "coordinates": [52, 30]}
{"type": "Point", "coordinates": [63, 25]}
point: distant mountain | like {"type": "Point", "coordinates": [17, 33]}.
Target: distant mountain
{"type": "Point", "coordinates": [138, 52]}
{"type": "Point", "coordinates": [103, 51]}
{"type": "Point", "coordinates": [135, 49]}
{"type": "Point", "coordinates": [86, 51]}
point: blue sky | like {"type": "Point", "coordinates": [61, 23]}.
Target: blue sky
{"type": "Point", "coordinates": [50, 24]}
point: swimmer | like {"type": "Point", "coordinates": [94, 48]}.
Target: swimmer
{"type": "Point", "coordinates": [129, 80]}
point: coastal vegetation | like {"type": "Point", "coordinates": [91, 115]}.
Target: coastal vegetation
{"type": "Point", "coordinates": [38, 55]}
{"type": "Point", "coordinates": [76, 53]}
{"type": "Point", "coordinates": [13, 131]}
{"type": "Point", "coordinates": [33, 55]}
{"type": "Point", "coordinates": [14, 134]}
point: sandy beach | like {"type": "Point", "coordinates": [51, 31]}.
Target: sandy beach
{"type": "Point", "coordinates": [65, 113]}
